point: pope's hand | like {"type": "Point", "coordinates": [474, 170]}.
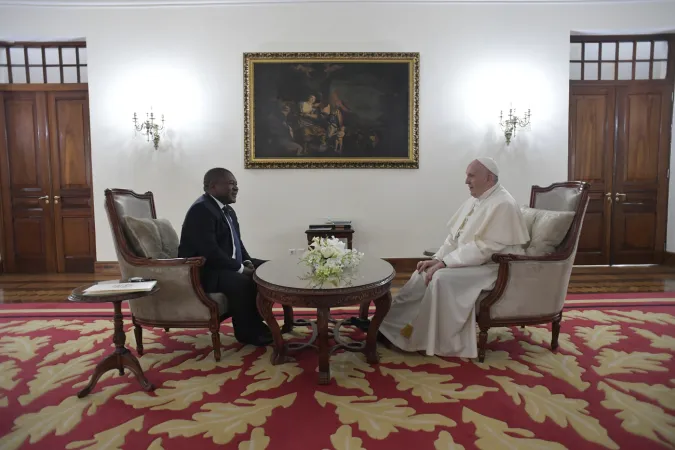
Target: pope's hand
{"type": "Point", "coordinates": [424, 265]}
{"type": "Point", "coordinates": [432, 270]}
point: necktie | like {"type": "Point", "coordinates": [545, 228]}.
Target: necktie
{"type": "Point", "coordinates": [235, 236]}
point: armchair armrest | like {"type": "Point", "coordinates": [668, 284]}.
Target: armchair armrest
{"type": "Point", "coordinates": [197, 261]}
{"type": "Point", "coordinates": [510, 257]}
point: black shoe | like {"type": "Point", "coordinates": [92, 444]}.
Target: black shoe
{"type": "Point", "coordinates": [361, 324]}
{"type": "Point", "coordinates": [260, 340]}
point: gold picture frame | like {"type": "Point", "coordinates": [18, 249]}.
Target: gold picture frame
{"type": "Point", "coordinates": [331, 110]}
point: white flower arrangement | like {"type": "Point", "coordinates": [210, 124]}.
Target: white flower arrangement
{"type": "Point", "coordinates": [329, 259]}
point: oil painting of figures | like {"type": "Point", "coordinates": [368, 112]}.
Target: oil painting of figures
{"type": "Point", "coordinates": [331, 110]}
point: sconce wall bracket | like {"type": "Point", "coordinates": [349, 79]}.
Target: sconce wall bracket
{"type": "Point", "coordinates": [149, 127]}
{"type": "Point", "coordinates": [512, 122]}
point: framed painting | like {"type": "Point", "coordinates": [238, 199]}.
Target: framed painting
{"type": "Point", "coordinates": [331, 110]}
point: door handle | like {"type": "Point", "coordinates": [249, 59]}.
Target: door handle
{"type": "Point", "coordinates": [45, 198]}
{"type": "Point", "coordinates": [608, 196]}
{"type": "Point", "coordinates": [621, 197]}
{"type": "Point", "coordinates": [56, 199]}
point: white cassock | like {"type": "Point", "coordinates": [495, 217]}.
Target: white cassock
{"type": "Point", "coordinates": [440, 318]}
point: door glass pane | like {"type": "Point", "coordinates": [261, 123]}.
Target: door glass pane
{"type": "Point", "coordinates": [609, 51]}
{"type": "Point", "coordinates": [4, 75]}
{"type": "Point", "coordinates": [53, 75]}
{"type": "Point", "coordinates": [643, 50]}
{"type": "Point", "coordinates": [68, 55]}
{"type": "Point", "coordinates": [34, 57]}
{"type": "Point", "coordinates": [659, 70]}
{"type": "Point", "coordinates": [591, 51]}
{"type": "Point", "coordinates": [575, 71]}
{"type": "Point", "coordinates": [607, 71]}
{"type": "Point", "coordinates": [591, 71]}
{"type": "Point", "coordinates": [70, 74]}
{"type": "Point", "coordinates": [642, 71]}
{"type": "Point", "coordinates": [36, 74]}
{"type": "Point", "coordinates": [3, 56]}
{"type": "Point", "coordinates": [52, 56]}
{"type": "Point", "coordinates": [17, 56]}
{"type": "Point", "coordinates": [18, 74]}
{"type": "Point", "coordinates": [625, 50]}
{"type": "Point", "coordinates": [661, 50]}
{"type": "Point", "coordinates": [575, 51]}
{"type": "Point", "coordinates": [83, 55]}
{"type": "Point", "coordinates": [83, 74]}
{"type": "Point", "coordinates": [625, 71]}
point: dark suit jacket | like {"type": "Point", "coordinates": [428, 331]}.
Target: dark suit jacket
{"type": "Point", "coordinates": [206, 233]}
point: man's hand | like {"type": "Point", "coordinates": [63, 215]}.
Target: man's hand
{"type": "Point", "coordinates": [432, 270]}
{"type": "Point", "coordinates": [424, 265]}
{"type": "Point", "coordinates": [249, 264]}
{"type": "Point", "coordinates": [248, 271]}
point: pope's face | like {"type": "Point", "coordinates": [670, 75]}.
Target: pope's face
{"type": "Point", "coordinates": [478, 179]}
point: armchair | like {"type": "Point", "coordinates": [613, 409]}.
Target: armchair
{"type": "Point", "coordinates": [531, 290]}
{"type": "Point", "coordinates": [181, 301]}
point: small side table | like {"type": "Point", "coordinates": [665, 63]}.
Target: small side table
{"type": "Point", "coordinates": [121, 357]}
{"type": "Point", "coordinates": [321, 233]}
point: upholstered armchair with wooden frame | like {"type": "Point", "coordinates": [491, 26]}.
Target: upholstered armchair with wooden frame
{"type": "Point", "coordinates": [531, 290]}
{"type": "Point", "coordinates": [180, 302]}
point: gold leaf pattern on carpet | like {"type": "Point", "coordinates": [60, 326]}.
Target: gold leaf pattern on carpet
{"type": "Point", "coordinates": [651, 317]}
{"type": "Point", "coordinates": [22, 348]}
{"type": "Point", "coordinates": [388, 356]}
{"type": "Point", "coordinates": [91, 327]}
{"type": "Point", "coordinates": [663, 341]}
{"type": "Point", "coordinates": [663, 395]}
{"type": "Point", "coordinates": [49, 378]}
{"type": "Point", "coordinates": [600, 335]}
{"type": "Point", "coordinates": [156, 445]}
{"type": "Point", "coordinates": [598, 316]}
{"type": "Point", "coordinates": [149, 336]}
{"type": "Point", "coordinates": [433, 387]}
{"type": "Point", "coordinates": [203, 340]}
{"type": "Point", "coordinates": [176, 395]}
{"type": "Point", "coordinates": [233, 357]}
{"type": "Point", "coordinates": [258, 441]}
{"type": "Point", "coordinates": [222, 421]}
{"type": "Point", "coordinates": [80, 345]}
{"type": "Point", "coordinates": [540, 404]}
{"type": "Point", "coordinates": [446, 442]}
{"type": "Point", "coordinates": [614, 362]}
{"type": "Point", "coordinates": [8, 370]}
{"type": "Point", "coordinates": [38, 325]}
{"type": "Point", "coordinates": [542, 336]}
{"type": "Point", "coordinates": [111, 439]}
{"type": "Point", "coordinates": [501, 360]}
{"type": "Point", "coordinates": [343, 439]}
{"type": "Point", "coordinates": [564, 367]}
{"type": "Point", "coordinates": [268, 375]}
{"type": "Point", "coordinates": [379, 418]}
{"type": "Point", "coordinates": [494, 434]}
{"type": "Point", "coordinates": [59, 419]}
{"type": "Point", "coordinates": [349, 370]}
{"type": "Point", "coordinates": [643, 419]}
{"type": "Point", "coordinates": [500, 334]}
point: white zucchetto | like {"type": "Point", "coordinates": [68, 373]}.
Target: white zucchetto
{"type": "Point", "coordinates": [489, 164]}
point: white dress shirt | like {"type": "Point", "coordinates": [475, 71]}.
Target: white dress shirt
{"type": "Point", "coordinates": [234, 247]}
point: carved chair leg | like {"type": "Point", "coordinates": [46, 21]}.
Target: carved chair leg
{"type": "Point", "coordinates": [215, 339]}
{"type": "Point", "coordinates": [482, 343]}
{"type": "Point", "coordinates": [556, 332]}
{"type": "Point", "coordinates": [138, 333]}
{"type": "Point", "coordinates": [363, 310]}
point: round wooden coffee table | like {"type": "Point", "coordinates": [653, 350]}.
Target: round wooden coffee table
{"type": "Point", "coordinates": [283, 281]}
{"type": "Point", "coordinates": [121, 357]}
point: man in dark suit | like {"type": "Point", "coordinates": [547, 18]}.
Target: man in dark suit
{"type": "Point", "coordinates": [211, 230]}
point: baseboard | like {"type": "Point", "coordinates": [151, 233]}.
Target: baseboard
{"type": "Point", "coordinates": [669, 259]}
{"type": "Point", "coordinates": [107, 268]}
{"type": "Point", "coordinates": [405, 266]}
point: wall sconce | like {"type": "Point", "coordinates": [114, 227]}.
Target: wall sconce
{"type": "Point", "coordinates": [512, 122]}
{"type": "Point", "coordinates": [149, 127]}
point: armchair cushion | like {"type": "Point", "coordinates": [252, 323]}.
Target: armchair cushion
{"type": "Point", "coordinates": [547, 229]}
{"type": "Point", "coordinates": [151, 238]}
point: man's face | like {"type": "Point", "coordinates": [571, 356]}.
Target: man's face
{"type": "Point", "coordinates": [225, 189]}
{"type": "Point", "coordinates": [478, 178]}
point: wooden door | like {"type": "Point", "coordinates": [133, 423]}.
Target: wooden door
{"type": "Point", "coordinates": [641, 173]}
{"type": "Point", "coordinates": [591, 159]}
{"type": "Point", "coordinates": [71, 180]}
{"type": "Point", "coordinates": [26, 189]}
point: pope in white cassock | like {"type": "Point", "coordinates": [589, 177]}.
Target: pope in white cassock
{"type": "Point", "coordinates": [435, 311]}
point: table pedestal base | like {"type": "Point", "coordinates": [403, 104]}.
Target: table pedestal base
{"type": "Point", "coordinates": [120, 359]}
{"type": "Point", "coordinates": [321, 332]}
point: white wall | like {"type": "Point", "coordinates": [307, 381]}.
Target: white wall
{"type": "Point", "coordinates": [187, 63]}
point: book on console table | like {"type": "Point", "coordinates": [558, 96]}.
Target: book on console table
{"type": "Point", "coordinates": [332, 224]}
{"type": "Point", "coordinates": [120, 288]}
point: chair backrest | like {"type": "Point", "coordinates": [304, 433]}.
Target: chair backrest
{"type": "Point", "coordinates": [566, 196]}
{"type": "Point", "coordinates": [124, 202]}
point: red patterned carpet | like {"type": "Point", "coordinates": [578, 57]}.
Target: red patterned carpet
{"type": "Point", "coordinates": [610, 385]}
